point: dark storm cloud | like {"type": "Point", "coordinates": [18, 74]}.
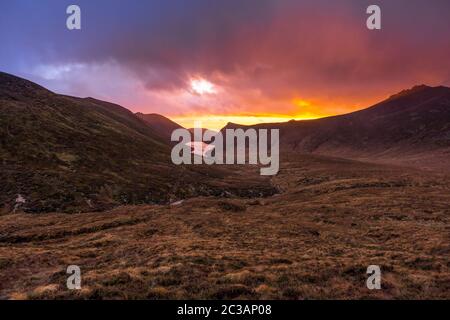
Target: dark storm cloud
{"type": "Point", "coordinates": [173, 37]}
{"type": "Point", "coordinates": [274, 50]}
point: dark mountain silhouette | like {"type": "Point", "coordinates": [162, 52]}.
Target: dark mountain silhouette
{"type": "Point", "coordinates": [162, 125]}
{"type": "Point", "coordinates": [192, 131]}
{"type": "Point", "coordinates": [410, 127]}
{"type": "Point", "coordinates": [62, 153]}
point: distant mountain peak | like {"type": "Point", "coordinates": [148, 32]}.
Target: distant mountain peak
{"type": "Point", "coordinates": [233, 125]}
{"type": "Point", "coordinates": [162, 125]}
{"type": "Point", "coordinates": [420, 87]}
{"type": "Point", "coordinates": [416, 90]}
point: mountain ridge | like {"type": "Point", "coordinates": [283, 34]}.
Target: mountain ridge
{"type": "Point", "coordinates": [162, 125]}
{"type": "Point", "coordinates": [69, 154]}
{"type": "Point", "coordinates": [413, 123]}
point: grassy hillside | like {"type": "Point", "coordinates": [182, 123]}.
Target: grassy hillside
{"type": "Point", "coordinates": [70, 154]}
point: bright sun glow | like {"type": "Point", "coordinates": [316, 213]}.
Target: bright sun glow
{"type": "Point", "coordinates": [217, 122]}
{"type": "Point", "coordinates": [202, 86]}
{"type": "Point", "coordinates": [301, 103]}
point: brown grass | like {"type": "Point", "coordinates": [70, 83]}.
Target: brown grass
{"type": "Point", "coordinates": [313, 241]}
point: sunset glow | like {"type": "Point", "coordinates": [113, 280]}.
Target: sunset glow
{"type": "Point", "coordinates": [189, 152]}
{"type": "Point", "coordinates": [217, 122]}
{"type": "Point", "coordinates": [301, 103]}
{"type": "Point", "coordinates": [233, 61]}
{"type": "Point", "coordinates": [202, 86]}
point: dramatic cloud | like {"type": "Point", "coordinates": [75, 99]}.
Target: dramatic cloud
{"type": "Point", "coordinates": [274, 59]}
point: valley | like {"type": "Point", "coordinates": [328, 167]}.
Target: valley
{"type": "Point", "coordinates": [88, 183]}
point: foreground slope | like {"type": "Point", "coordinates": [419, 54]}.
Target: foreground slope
{"type": "Point", "coordinates": [61, 153]}
{"type": "Point", "coordinates": [333, 219]}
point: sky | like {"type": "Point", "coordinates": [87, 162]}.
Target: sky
{"type": "Point", "coordinates": [243, 61]}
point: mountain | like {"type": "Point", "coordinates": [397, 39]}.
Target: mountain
{"type": "Point", "coordinates": [411, 127]}
{"type": "Point", "coordinates": [61, 153]}
{"type": "Point", "coordinates": [203, 130]}
{"type": "Point", "coordinates": [162, 125]}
